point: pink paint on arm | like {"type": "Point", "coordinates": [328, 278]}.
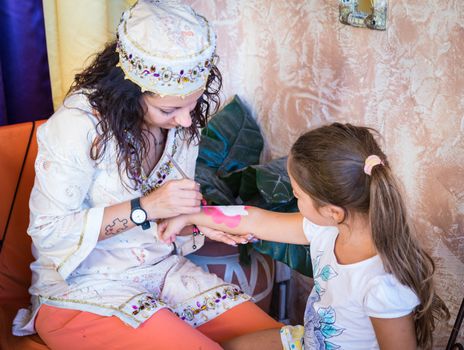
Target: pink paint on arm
{"type": "Point", "coordinates": [231, 218]}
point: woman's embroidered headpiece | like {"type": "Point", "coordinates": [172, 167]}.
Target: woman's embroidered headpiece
{"type": "Point", "coordinates": [165, 47]}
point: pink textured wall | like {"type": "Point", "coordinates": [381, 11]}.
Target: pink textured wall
{"type": "Point", "coordinates": [297, 67]}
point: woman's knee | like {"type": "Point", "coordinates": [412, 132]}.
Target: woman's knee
{"type": "Point", "coordinates": [240, 320]}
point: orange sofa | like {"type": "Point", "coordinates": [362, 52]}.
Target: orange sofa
{"type": "Point", "coordinates": [18, 150]}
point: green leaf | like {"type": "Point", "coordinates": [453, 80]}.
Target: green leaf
{"type": "Point", "coordinates": [214, 190]}
{"type": "Point", "coordinates": [270, 180]}
{"type": "Point", "coordinates": [231, 142]}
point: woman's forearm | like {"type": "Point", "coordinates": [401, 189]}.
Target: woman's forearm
{"type": "Point", "coordinates": [116, 219]}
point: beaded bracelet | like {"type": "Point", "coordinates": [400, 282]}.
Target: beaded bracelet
{"type": "Point", "coordinates": [195, 232]}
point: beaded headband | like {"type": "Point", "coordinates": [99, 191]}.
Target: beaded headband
{"type": "Point", "coordinates": [371, 162]}
{"type": "Point", "coordinates": [165, 47]}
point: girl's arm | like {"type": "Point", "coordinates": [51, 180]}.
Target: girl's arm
{"type": "Point", "coordinates": [395, 333]}
{"type": "Point", "coordinates": [241, 220]}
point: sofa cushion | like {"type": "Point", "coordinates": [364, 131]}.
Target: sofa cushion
{"type": "Point", "coordinates": [15, 254]}
{"type": "Point", "coordinates": [14, 140]}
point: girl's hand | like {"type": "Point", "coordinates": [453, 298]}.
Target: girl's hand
{"type": "Point", "coordinates": [174, 198]}
{"type": "Point", "coordinates": [222, 236]}
{"type": "Point", "coordinates": [168, 229]}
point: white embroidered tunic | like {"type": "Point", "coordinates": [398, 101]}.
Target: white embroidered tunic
{"type": "Point", "coordinates": [130, 275]}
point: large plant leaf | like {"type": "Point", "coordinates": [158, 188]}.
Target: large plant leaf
{"type": "Point", "coordinates": [231, 142]}
{"type": "Point", "coordinates": [270, 180]}
{"type": "Point", "coordinates": [215, 190]}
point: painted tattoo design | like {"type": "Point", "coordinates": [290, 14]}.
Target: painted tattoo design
{"type": "Point", "coordinates": [228, 215]}
{"type": "Point", "coordinates": [117, 227]}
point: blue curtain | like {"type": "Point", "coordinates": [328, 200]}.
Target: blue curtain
{"type": "Point", "coordinates": [25, 91]}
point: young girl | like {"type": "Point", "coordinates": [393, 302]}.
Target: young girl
{"type": "Point", "coordinates": [373, 283]}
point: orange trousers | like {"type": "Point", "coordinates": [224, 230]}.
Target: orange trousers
{"type": "Point", "coordinates": [73, 329]}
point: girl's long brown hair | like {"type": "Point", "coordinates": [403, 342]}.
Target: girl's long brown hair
{"type": "Point", "coordinates": [117, 102]}
{"type": "Point", "coordinates": [328, 164]}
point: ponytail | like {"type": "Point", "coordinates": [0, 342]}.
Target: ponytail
{"type": "Point", "coordinates": [401, 254]}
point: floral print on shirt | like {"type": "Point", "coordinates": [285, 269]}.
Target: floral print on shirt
{"type": "Point", "coordinates": [320, 324]}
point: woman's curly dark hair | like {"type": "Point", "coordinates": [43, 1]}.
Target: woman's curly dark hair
{"type": "Point", "coordinates": [117, 104]}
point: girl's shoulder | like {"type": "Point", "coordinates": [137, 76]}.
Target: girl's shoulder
{"type": "Point", "coordinates": [315, 232]}
{"type": "Point", "coordinates": [386, 297]}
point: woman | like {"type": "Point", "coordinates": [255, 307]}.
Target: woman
{"type": "Point", "coordinates": [105, 173]}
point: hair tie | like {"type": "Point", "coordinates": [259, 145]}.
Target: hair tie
{"type": "Point", "coordinates": [371, 162]}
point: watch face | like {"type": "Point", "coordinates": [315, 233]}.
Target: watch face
{"type": "Point", "coordinates": [138, 216]}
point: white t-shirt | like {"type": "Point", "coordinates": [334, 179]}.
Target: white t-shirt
{"type": "Point", "coordinates": [345, 296]}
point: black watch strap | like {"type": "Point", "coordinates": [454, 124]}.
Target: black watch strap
{"type": "Point", "coordinates": [145, 225]}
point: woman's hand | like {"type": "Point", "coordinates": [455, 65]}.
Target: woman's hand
{"type": "Point", "coordinates": [173, 198]}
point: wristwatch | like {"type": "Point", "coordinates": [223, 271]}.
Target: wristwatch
{"type": "Point", "coordinates": [138, 215]}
